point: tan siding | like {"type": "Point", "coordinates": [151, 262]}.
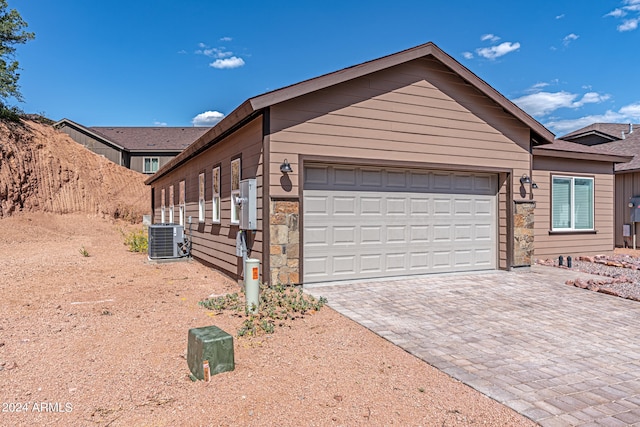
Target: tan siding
{"type": "Point", "coordinates": [418, 113]}
{"type": "Point", "coordinates": [215, 244]}
{"type": "Point", "coordinates": [627, 186]}
{"type": "Point", "coordinates": [137, 161]}
{"type": "Point", "coordinates": [553, 245]}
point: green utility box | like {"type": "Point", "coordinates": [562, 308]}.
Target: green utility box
{"type": "Point", "coordinates": [213, 344]}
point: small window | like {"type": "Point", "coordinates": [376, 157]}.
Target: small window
{"type": "Point", "coordinates": [201, 205]}
{"type": "Point", "coordinates": [151, 164]}
{"type": "Point", "coordinates": [162, 206]}
{"type": "Point", "coordinates": [572, 203]}
{"type": "Point", "coordinates": [171, 203]}
{"type": "Point", "coordinates": [235, 191]}
{"type": "Point", "coordinates": [215, 183]}
{"type": "Point", "coordinates": [181, 202]}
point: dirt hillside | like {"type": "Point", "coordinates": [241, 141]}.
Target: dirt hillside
{"type": "Point", "coordinates": [43, 170]}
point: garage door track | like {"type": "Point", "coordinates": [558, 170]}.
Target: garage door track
{"type": "Point", "coordinates": [560, 355]}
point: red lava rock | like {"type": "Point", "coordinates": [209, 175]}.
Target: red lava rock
{"type": "Point", "coordinates": [581, 284]}
{"type": "Point", "coordinates": [587, 259]}
{"type": "Point", "coordinates": [607, 291]}
{"type": "Point", "coordinates": [570, 282]}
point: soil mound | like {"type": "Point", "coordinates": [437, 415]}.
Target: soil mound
{"type": "Point", "coordinates": [43, 170]}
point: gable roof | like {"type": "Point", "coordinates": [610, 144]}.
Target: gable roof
{"type": "Point", "coordinates": [253, 106]}
{"type": "Point", "coordinates": [139, 139]}
{"type": "Point", "coordinates": [623, 139]}
{"type": "Point", "coordinates": [606, 131]}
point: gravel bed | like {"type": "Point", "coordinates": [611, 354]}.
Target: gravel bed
{"type": "Point", "coordinates": [620, 274]}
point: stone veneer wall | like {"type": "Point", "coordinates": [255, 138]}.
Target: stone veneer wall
{"type": "Point", "coordinates": [523, 233]}
{"type": "Point", "coordinates": [284, 245]}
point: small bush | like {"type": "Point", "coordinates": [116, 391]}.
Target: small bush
{"type": "Point", "coordinates": [136, 240]}
{"type": "Point", "coordinates": [84, 252]}
{"type": "Point", "coordinates": [278, 305]}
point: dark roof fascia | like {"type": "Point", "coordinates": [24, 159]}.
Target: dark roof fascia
{"type": "Point", "coordinates": [87, 131]}
{"type": "Point", "coordinates": [252, 106]}
{"type": "Point", "coordinates": [308, 86]}
{"type": "Point", "coordinates": [236, 119]}
{"type": "Point", "coordinates": [163, 151]}
{"type": "Point", "coordinates": [567, 154]}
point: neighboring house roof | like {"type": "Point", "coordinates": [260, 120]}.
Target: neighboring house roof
{"type": "Point", "coordinates": [567, 149]}
{"type": "Point", "coordinates": [141, 139]}
{"type": "Point", "coordinates": [606, 131]}
{"type": "Point", "coordinates": [151, 138]}
{"type": "Point", "coordinates": [619, 139]}
{"type": "Point", "coordinates": [253, 106]}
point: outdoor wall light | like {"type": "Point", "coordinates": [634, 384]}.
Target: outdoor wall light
{"type": "Point", "coordinates": [525, 179]}
{"type": "Point", "coordinates": [285, 167]}
{"type": "Point", "coordinates": [534, 185]}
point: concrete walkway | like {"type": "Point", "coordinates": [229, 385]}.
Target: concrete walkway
{"type": "Point", "coordinates": [560, 355]}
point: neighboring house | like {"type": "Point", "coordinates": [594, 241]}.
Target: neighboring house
{"type": "Point", "coordinates": [407, 164]}
{"type": "Point", "coordinates": [620, 139]}
{"type": "Point", "coordinates": [143, 149]}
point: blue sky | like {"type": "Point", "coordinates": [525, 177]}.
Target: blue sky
{"type": "Point", "coordinates": [190, 62]}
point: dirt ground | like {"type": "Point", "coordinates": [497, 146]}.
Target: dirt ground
{"type": "Point", "coordinates": [101, 340]}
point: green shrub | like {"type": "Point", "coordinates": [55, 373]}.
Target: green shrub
{"type": "Point", "coordinates": [136, 240]}
{"type": "Point", "coordinates": [278, 305]}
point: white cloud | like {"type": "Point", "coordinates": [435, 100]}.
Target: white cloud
{"type": "Point", "coordinates": [157, 123]}
{"type": "Point", "coordinates": [467, 55]}
{"type": "Point", "coordinates": [569, 38]}
{"type": "Point", "coordinates": [560, 16]}
{"type": "Point", "coordinates": [490, 37]}
{"type": "Point", "coordinates": [629, 25]}
{"type": "Point", "coordinates": [225, 39]}
{"type": "Point", "coordinates": [208, 118]}
{"type": "Point", "coordinates": [233, 62]}
{"type": "Point", "coordinates": [542, 103]}
{"type": "Point", "coordinates": [627, 114]}
{"type": "Point", "coordinates": [616, 13]}
{"type": "Point", "coordinates": [629, 7]}
{"type": "Point", "coordinates": [494, 52]}
{"type": "Point", "coordinates": [224, 58]}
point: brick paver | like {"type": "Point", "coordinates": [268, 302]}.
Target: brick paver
{"type": "Point", "coordinates": [560, 355]}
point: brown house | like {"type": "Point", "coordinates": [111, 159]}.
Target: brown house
{"type": "Point", "coordinates": [407, 164]}
{"type": "Point", "coordinates": [619, 139]}
{"type": "Point", "coordinates": [143, 149]}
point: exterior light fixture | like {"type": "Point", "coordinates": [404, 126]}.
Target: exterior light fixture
{"type": "Point", "coordinates": [534, 185]}
{"type": "Point", "coordinates": [285, 167]}
{"type": "Point", "coordinates": [524, 179]}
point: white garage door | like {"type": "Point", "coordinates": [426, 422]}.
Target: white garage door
{"type": "Point", "coordinates": [365, 222]}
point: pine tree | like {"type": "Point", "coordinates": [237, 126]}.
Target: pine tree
{"type": "Point", "coordinates": [12, 33]}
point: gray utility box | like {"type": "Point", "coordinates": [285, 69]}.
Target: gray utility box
{"type": "Point", "coordinates": [635, 209]}
{"type": "Point", "coordinates": [212, 344]}
{"type": "Point", "coordinates": [249, 204]}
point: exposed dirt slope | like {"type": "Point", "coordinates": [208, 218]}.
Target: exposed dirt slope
{"type": "Point", "coordinates": [44, 170]}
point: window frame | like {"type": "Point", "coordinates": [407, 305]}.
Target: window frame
{"type": "Point", "coordinates": [236, 169]}
{"type": "Point", "coordinates": [181, 201]}
{"type": "Point", "coordinates": [162, 206]}
{"type": "Point", "coordinates": [144, 164]}
{"type": "Point", "coordinates": [573, 208]}
{"type": "Point", "coordinates": [215, 191]}
{"type": "Point", "coordinates": [201, 198]}
{"type": "Point", "coordinates": [172, 198]}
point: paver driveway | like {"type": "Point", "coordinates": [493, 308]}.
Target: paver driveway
{"type": "Point", "coordinates": [560, 355]}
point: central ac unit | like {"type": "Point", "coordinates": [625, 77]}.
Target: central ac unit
{"type": "Point", "coordinates": [165, 241]}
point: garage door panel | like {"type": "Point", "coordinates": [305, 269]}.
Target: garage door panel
{"type": "Point", "coordinates": [374, 222]}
